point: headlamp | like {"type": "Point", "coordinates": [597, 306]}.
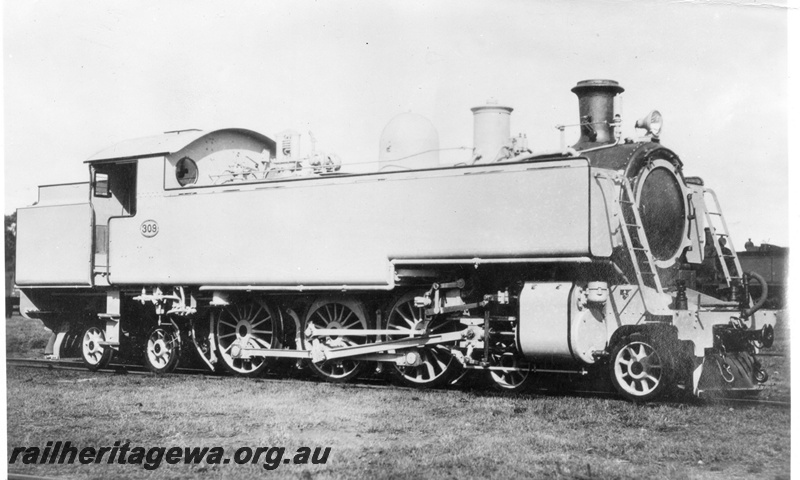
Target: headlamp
{"type": "Point", "coordinates": [652, 122]}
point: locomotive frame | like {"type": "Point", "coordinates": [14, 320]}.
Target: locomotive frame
{"type": "Point", "coordinates": [514, 264]}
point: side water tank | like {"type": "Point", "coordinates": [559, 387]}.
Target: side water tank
{"type": "Point", "coordinates": [408, 142]}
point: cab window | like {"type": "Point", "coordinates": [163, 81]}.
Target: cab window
{"type": "Point", "coordinates": [102, 186]}
{"type": "Point", "coordinates": [186, 172]}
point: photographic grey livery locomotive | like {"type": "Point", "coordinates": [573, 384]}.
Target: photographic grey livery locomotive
{"type": "Point", "coordinates": [248, 252]}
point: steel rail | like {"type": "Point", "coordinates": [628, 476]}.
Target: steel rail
{"type": "Point", "coordinates": [364, 383]}
{"type": "Point", "coordinates": [112, 368]}
{"type": "Point", "coordinates": [22, 476]}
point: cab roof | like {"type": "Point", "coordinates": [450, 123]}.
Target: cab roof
{"type": "Point", "coordinates": [167, 143]}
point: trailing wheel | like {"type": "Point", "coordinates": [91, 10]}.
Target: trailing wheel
{"type": "Point", "coordinates": [162, 350]}
{"type": "Point", "coordinates": [438, 364]}
{"type": "Point", "coordinates": [339, 314]}
{"type": "Point", "coordinates": [95, 355]}
{"type": "Point", "coordinates": [516, 380]}
{"type": "Point", "coordinates": [251, 324]}
{"type": "Point", "coordinates": [640, 369]}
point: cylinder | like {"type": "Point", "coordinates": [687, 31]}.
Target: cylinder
{"type": "Point", "coordinates": [491, 129]}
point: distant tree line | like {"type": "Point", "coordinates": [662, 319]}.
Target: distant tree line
{"type": "Point", "coordinates": [11, 241]}
{"type": "Point", "coordinates": [11, 258]}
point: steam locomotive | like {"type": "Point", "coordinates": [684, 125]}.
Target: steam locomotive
{"type": "Point", "coordinates": [601, 258]}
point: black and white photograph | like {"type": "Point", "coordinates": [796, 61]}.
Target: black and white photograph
{"type": "Point", "coordinates": [398, 240]}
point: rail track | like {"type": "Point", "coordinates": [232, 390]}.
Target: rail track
{"type": "Point", "coordinates": [364, 383]}
{"type": "Point", "coordinates": [21, 476]}
{"type": "Point", "coordinates": [117, 368]}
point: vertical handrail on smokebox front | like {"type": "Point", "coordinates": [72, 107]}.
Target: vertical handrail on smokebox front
{"type": "Point", "coordinates": [723, 258]}
{"type": "Point", "coordinates": [630, 224]}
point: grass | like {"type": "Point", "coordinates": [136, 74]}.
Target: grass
{"type": "Point", "coordinates": [25, 338]}
{"type": "Point", "coordinates": [395, 433]}
{"type": "Point", "coordinates": [778, 387]}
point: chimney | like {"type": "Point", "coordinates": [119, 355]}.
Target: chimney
{"type": "Point", "coordinates": [596, 107]}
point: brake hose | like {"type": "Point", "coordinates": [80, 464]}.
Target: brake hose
{"type": "Point", "coordinates": [762, 299]}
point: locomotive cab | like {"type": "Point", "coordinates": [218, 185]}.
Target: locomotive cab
{"type": "Point", "coordinates": [113, 195]}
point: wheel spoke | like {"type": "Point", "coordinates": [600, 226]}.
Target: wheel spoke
{"type": "Point", "coordinates": [261, 342]}
{"type": "Point", "coordinates": [232, 325]}
{"type": "Point", "coordinates": [437, 357]}
{"type": "Point", "coordinates": [255, 324]}
{"type": "Point", "coordinates": [411, 322]}
{"type": "Point", "coordinates": [318, 319]}
{"type": "Point", "coordinates": [412, 317]}
{"type": "Point", "coordinates": [348, 321]}
{"type": "Point", "coordinates": [643, 352]}
{"type": "Point", "coordinates": [405, 331]}
{"type": "Point", "coordinates": [431, 371]}
{"type": "Point", "coordinates": [255, 315]}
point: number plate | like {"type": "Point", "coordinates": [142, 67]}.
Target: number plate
{"type": "Point", "coordinates": [149, 228]}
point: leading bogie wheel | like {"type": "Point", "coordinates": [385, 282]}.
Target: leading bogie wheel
{"type": "Point", "coordinates": [640, 369]}
{"type": "Point", "coordinates": [251, 324]}
{"type": "Point", "coordinates": [437, 365]}
{"type": "Point", "coordinates": [95, 355]}
{"type": "Point", "coordinates": [162, 350]}
{"type": "Point", "coordinates": [516, 378]}
{"type": "Point", "coordinates": [340, 314]}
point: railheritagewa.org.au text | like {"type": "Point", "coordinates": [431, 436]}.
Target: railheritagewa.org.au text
{"type": "Point", "coordinates": [151, 458]}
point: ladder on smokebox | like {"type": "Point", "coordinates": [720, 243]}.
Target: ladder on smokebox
{"type": "Point", "coordinates": [630, 223]}
{"type": "Point", "coordinates": [717, 213]}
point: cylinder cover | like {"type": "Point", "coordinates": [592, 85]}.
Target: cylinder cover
{"type": "Point", "coordinates": [558, 325]}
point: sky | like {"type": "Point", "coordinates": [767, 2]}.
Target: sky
{"type": "Point", "coordinates": [82, 75]}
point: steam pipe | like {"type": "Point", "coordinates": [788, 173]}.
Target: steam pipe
{"type": "Point", "coordinates": [568, 151]}
{"type": "Point", "coordinates": [600, 147]}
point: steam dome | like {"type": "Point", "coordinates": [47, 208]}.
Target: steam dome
{"type": "Point", "coordinates": [408, 142]}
